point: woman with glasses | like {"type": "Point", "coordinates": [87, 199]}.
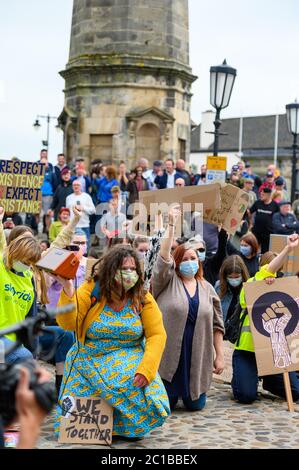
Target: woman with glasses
{"type": "Point", "coordinates": [193, 321]}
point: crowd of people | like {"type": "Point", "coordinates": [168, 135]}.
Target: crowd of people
{"type": "Point", "coordinates": [148, 323]}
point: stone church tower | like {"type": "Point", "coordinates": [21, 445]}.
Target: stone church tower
{"type": "Point", "coordinates": [128, 81]}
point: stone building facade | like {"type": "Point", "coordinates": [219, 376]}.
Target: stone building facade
{"type": "Point", "coordinates": [128, 81]}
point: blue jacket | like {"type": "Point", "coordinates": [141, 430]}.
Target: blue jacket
{"type": "Point", "coordinates": [285, 224]}
{"type": "Point", "coordinates": [50, 182]}
{"type": "Point", "coordinates": [161, 181]}
{"type": "Point", "coordinates": [104, 188]}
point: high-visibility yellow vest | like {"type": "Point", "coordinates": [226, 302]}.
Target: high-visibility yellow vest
{"type": "Point", "coordinates": [246, 340]}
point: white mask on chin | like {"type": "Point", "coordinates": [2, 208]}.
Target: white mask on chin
{"type": "Point", "coordinates": [20, 267]}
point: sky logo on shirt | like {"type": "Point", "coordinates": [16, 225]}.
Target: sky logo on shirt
{"type": "Point", "coordinates": [21, 295]}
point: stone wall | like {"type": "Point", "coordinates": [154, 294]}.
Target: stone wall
{"type": "Point", "coordinates": [127, 79]}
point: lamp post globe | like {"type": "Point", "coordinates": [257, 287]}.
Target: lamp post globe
{"type": "Point", "coordinates": [292, 110]}
{"type": "Point", "coordinates": [222, 79]}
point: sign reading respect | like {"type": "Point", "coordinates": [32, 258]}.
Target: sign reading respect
{"type": "Point", "coordinates": [20, 186]}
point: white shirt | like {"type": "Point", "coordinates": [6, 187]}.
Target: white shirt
{"type": "Point", "coordinates": [170, 180]}
{"type": "Point", "coordinates": [87, 205]}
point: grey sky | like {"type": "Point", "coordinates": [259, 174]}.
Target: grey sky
{"type": "Point", "coordinates": [259, 38]}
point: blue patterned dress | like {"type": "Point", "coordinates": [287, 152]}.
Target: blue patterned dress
{"type": "Point", "coordinates": [105, 366]}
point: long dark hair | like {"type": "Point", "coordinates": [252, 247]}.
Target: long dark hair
{"type": "Point", "coordinates": [106, 269]}
{"type": "Point", "coordinates": [232, 264]}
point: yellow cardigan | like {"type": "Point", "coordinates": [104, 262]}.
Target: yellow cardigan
{"type": "Point", "coordinates": [81, 318]}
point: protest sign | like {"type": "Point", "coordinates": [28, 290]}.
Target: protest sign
{"type": "Point", "coordinates": [216, 169]}
{"type": "Point", "coordinates": [227, 374]}
{"type": "Point", "coordinates": [274, 322]}
{"type": "Point", "coordinates": [291, 264]}
{"type": "Point", "coordinates": [190, 198]}
{"type": "Point", "coordinates": [20, 186]}
{"type": "Point", "coordinates": [85, 420]}
{"type": "Point", "coordinates": [234, 203]}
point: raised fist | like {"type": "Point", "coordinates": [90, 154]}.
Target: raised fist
{"type": "Point", "coordinates": [275, 326]}
{"type": "Point", "coordinates": [271, 318]}
{"type": "Point", "coordinates": [66, 405]}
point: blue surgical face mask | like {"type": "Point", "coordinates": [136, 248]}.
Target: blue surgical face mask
{"type": "Point", "coordinates": [188, 268]}
{"type": "Point", "coordinates": [234, 281]}
{"type": "Point", "coordinates": [201, 256]}
{"type": "Point", "coordinates": [246, 250]}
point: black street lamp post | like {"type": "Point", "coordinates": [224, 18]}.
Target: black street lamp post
{"type": "Point", "coordinates": [222, 79]}
{"type": "Point", "coordinates": [37, 125]}
{"type": "Point", "coordinates": [293, 127]}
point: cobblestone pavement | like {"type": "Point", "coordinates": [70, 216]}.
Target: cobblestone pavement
{"type": "Point", "coordinates": [222, 424]}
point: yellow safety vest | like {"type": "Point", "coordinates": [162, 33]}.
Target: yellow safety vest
{"type": "Point", "coordinates": [246, 340]}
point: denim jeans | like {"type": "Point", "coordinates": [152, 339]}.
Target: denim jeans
{"type": "Point", "coordinates": [21, 354]}
{"type": "Point", "coordinates": [191, 405]}
{"type": "Point", "coordinates": [86, 230]}
{"type": "Point", "coordinates": [245, 379]}
{"type": "Point", "coordinates": [63, 341]}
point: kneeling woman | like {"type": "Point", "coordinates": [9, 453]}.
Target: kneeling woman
{"type": "Point", "coordinates": [193, 321]}
{"type": "Point", "coordinates": [111, 359]}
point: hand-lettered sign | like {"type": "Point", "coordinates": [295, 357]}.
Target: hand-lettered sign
{"type": "Point", "coordinates": [85, 420]}
{"type": "Point", "coordinates": [234, 202]}
{"type": "Point", "coordinates": [20, 186]}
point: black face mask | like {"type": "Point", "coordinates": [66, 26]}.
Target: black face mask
{"type": "Point", "coordinates": [203, 175]}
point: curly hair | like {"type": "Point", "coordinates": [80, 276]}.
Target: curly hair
{"type": "Point", "coordinates": [106, 269]}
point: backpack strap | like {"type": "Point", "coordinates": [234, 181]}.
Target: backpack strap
{"type": "Point", "coordinates": [95, 295]}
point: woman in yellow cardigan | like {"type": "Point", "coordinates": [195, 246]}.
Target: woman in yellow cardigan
{"type": "Point", "coordinates": [121, 339]}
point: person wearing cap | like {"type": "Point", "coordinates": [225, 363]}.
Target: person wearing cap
{"type": "Point", "coordinates": [269, 182]}
{"type": "Point", "coordinates": [57, 226]}
{"type": "Point", "coordinates": [285, 222]}
{"type": "Point", "coordinates": [263, 210]}
{"type": "Point", "coordinates": [121, 199]}
{"type": "Point", "coordinates": [280, 186]}
{"type": "Point", "coordinates": [61, 193]}
{"type": "Point", "coordinates": [150, 175]}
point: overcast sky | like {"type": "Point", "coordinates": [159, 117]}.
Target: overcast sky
{"type": "Point", "coordinates": [260, 38]}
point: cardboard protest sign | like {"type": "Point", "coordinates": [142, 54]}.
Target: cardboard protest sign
{"type": "Point", "coordinates": [274, 323]}
{"type": "Point", "coordinates": [190, 198]}
{"type": "Point", "coordinates": [291, 264]}
{"type": "Point", "coordinates": [86, 420]}
{"type": "Point", "coordinates": [216, 169]}
{"type": "Point", "coordinates": [234, 203]}
{"type": "Point", "coordinates": [227, 374]}
{"type": "Point", "coordinates": [20, 186]}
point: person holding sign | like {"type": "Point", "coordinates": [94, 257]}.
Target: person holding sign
{"type": "Point", "coordinates": [245, 374]}
{"type": "Point", "coordinates": [121, 339]}
{"type": "Point", "coordinates": [193, 321]}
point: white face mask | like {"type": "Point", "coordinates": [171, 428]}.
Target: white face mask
{"type": "Point", "coordinates": [20, 267]}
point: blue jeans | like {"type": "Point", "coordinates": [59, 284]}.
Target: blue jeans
{"type": "Point", "coordinates": [245, 379]}
{"type": "Point", "coordinates": [191, 405]}
{"type": "Point", "coordinates": [21, 354]}
{"type": "Point", "coordinates": [86, 230]}
{"type": "Point", "coordinates": [64, 340]}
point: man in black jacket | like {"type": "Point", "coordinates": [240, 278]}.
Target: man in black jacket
{"type": "Point", "coordinates": [284, 221]}
{"type": "Point", "coordinates": [61, 193]}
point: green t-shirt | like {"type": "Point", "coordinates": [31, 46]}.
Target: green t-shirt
{"type": "Point", "coordinates": [16, 297]}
